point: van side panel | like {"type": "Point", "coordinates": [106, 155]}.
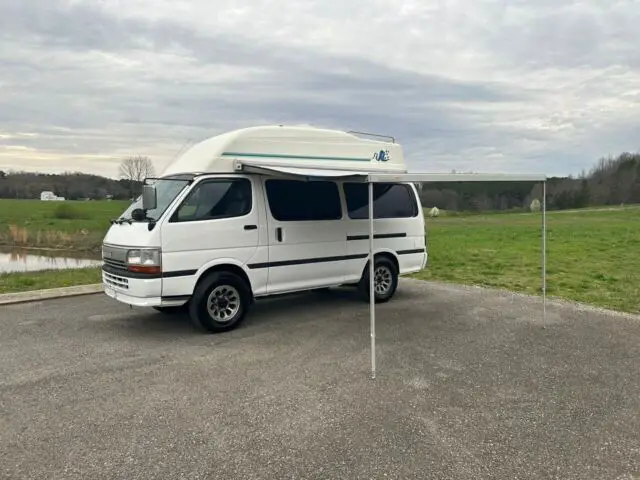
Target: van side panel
{"type": "Point", "coordinates": [190, 247]}
{"type": "Point", "coordinates": [402, 235]}
{"type": "Point", "coordinates": [286, 261]}
{"type": "Point", "coordinates": [416, 259]}
{"type": "Point", "coordinates": [304, 253]}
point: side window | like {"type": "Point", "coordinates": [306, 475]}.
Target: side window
{"type": "Point", "coordinates": [390, 200]}
{"type": "Point", "coordinates": [213, 199]}
{"type": "Point", "coordinates": [296, 201]}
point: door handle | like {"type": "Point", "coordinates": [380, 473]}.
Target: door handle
{"type": "Point", "coordinates": [279, 234]}
{"type": "Point", "coordinates": [250, 227]}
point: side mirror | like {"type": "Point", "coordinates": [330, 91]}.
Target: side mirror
{"type": "Point", "coordinates": [149, 197]}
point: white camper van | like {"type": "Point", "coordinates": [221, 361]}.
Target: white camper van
{"type": "Point", "coordinates": [264, 211]}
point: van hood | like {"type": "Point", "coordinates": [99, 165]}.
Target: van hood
{"type": "Point", "coordinates": [136, 234]}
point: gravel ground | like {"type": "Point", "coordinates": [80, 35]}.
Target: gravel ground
{"type": "Point", "coordinates": [471, 384]}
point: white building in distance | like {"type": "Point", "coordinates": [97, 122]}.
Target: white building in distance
{"type": "Point", "coordinates": [50, 196]}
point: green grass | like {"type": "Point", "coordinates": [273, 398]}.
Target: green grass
{"type": "Point", "coordinates": [22, 282]}
{"type": "Point", "coordinates": [592, 256]}
{"type": "Point", "coordinates": [69, 224]}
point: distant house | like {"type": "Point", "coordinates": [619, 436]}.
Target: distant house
{"type": "Point", "coordinates": [50, 196]}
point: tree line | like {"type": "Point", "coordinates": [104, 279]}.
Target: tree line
{"type": "Point", "coordinates": [79, 186]}
{"type": "Point", "coordinates": [612, 181]}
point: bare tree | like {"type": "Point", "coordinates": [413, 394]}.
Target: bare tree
{"type": "Point", "coordinates": [135, 169]}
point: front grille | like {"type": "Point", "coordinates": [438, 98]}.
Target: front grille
{"type": "Point", "coordinates": [115, 280]}
{"type": "Point", "coordinates": [114, 257]}
{"type": "Point", "coordinates": [117, 264]}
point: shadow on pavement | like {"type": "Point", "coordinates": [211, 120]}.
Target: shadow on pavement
{"type": "Point", "coordinates": [282, 311]}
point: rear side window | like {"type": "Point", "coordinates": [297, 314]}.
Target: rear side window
{"type": "Point", "coordinates": [213, 199]}
{"type": "Point", "coordinates": [297, 201]}
{"type": "Point", "coordinates": [390, 200]}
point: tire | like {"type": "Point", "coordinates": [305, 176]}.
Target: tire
{"type": "Point", "coordinates": [173, 310]}
{"type": "Point", "coordinates": [387, 274]}
{"type": "Point", "coordinates": [233, 305]}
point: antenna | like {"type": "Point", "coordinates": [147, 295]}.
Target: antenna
{"type": "Point", "coordinates": [389, 137]}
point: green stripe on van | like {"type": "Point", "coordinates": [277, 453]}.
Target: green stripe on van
{"type": "Point", "coordinates": [302, 157]}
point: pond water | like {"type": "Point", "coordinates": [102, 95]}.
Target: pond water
{"type": "Point", "coordinates": [33, 260]}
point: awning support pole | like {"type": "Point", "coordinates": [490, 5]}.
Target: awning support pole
{"type": "Point", "coordinates": [372, 297]}
{"type": "Point", "coordinates": [544, 250]}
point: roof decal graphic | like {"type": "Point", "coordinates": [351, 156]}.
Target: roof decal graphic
{"type": "Point", "coordinates": [302, 157]}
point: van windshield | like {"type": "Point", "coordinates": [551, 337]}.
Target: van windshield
{"type": "Point", "coordinates": [166, 190]}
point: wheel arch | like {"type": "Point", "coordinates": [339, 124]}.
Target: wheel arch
{"type": "Point", "coordinates": [390, 254]}
{"type": "Point", "coordinates": [225, 265]}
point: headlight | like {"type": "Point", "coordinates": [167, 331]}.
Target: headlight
{"type": "Point", "coordinates": [144, 260]}
{"type": "Point", "coordinates": [143, 257]}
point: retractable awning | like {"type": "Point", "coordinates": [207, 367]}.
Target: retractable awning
{"type": "Point", "coordinates": [395, 176]}
{"type": "Point", "coordinates": [455, 177]}
{"type": "Point", "coordinates": [382, 176]}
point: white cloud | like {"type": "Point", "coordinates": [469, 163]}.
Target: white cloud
{"type": "Point", "coordinates": [490, 85]}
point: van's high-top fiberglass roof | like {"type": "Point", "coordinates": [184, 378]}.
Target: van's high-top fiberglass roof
{"type": "Point", "coordinates": [291, 146]}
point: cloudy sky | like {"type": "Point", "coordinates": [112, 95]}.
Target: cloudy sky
{"type": "Point", "coordinates": [482, 85]}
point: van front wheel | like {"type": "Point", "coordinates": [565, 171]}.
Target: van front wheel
{"type": "Point", "coordinates": [385, 280]}
{"type": "Point", "coordinates": [220, 302]}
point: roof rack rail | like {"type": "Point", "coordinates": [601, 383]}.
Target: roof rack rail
{"type": "Point", "coordinates": [393, 140]}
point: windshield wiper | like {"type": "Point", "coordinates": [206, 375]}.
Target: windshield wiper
{"type": "Point", "coordinates": [122, 220]}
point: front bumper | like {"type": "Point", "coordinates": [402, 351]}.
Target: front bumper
{"type": "Point", "coordinates": [129, 300]}
{"type": "Point", "coordinates": [133, 291]}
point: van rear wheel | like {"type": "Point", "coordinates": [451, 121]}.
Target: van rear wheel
{"type": "Point", "coordinates": [385, 280]}
{"type": "Point", "coordinates": [220, 302]}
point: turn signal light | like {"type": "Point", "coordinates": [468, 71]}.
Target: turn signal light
{"type": "Point", "coordinates": [153, 269]}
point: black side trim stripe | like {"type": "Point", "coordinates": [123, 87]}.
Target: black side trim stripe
{"type": "Point", "coordinates": [175, 298]}
{"type": "Point", "coordinates": [379, 236]}
{"type": "Point", "coordinates": [410, 252]}
{"type": "Point", "coordinates": [307, 261]}
{"type": "Point", "coordinates": [253, 266]}
{"type": "Point", "coordinates": [179, 273]}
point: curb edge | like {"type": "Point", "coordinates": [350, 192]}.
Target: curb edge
{"type": "Point", "coordinates": [50, 294]}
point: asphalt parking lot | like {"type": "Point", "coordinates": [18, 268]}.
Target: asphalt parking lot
{"type": "Point", "coordinates": [471, 384]}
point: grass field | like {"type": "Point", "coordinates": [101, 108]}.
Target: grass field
{"type": "Point", "coordinates": [593, 256]}
{"type": "Point", "coordinates": [22, 282]}
{"type": "Point", "coordinates": [77, 225]}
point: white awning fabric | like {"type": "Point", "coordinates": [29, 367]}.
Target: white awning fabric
{"type": "Point", "coordinates": [455, 177]}
{"type": "Point", "coordinates": [380, 177]}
